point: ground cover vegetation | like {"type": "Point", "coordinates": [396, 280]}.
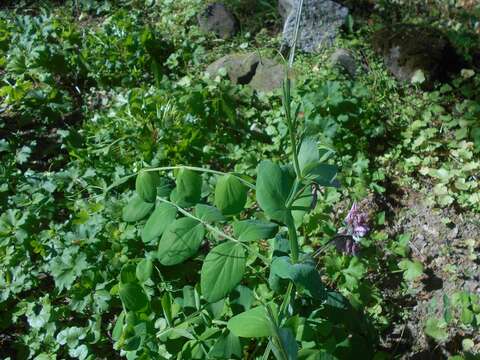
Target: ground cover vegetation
{"type": "Point", "coordinates": [149, 210]}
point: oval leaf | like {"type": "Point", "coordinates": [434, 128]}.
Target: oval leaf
{"type": "Point", "coordinates": [303, 274]}
{"type": "Point", "coordinates": [252, 323]}
{"type": "Point", "coordinates": [156, 224]}
{"type": "Point", "coordinates": [222, 270]}
{"type": "Point", "coordinates": [308, 154]}
{"type": "Point", "coordinates": [146, 185]}
{"type": "Point", "coordinates": [144, 270]}
{"type": "Point", "coordinates": [181, 240]}
{"type": "Point", "coordinates": [133, 296]}
{"type": "Point", "coordinates": [127, 274]}
{"type": "Point", "coordinates": [189, 188]}
{"type": "Point", "coordinates": [230, 195]}
{"type": "Point", "coordinates": [208, 213]}
{"type": "Point", "coordinates": [136, 209]}
{"type": "Point", "coordinates": [251, 230]}
{"type": "Point", "coordinates": [273, 188]}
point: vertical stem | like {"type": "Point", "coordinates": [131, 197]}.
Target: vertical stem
{"type": "Point", "coordinates": [291, 128]}
{"type": "Point", "coordinates": [293, 239]}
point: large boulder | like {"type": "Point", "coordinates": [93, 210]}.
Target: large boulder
{"type": "Point", "coordinates": [262, 74]}
{"type": "Point", "coordinates": [218, 19]}
{"type": "Point", "coordinates": [415, 53]}
{"type": "Point", "coordinates": [319, 25]}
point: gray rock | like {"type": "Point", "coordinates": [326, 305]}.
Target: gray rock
{"type": "Point", "coordinates": [262, 74]}
{"type": "Point", "coordinates": [240, 67]}
{"type": "Point", "coordinates": [268, 76]}
{"type": "Point", "coordinates": [414, 52]}
{"type": "Point", "coordinates": [344, 59]}
{"type": "Point", "coordinates": [218, 19]}
{"type": "Point", "coordinates": [285, 7]}
{"type": "Point", "coordinates": [319, 23]}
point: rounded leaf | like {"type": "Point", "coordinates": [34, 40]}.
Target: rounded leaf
{"type": "Point", "coordinates": [230, 195]}
{"type": "Point", "coordinates": [222, 270]}
{"type": "Point", "coordinates": [251, 230]}
{"type": "Point", "coordinates": [144, 269]}
{"type": "Point", "coordinates": [136, 209]}
{"type": "Point", "coordinates": [181, 240]}
{"type": "Point", "coordinates": [127, 274]}
{"type": "Point", "coordinates": [252, 323]}
{"type": "Point", "coordinates": [156, 224]}
{"type": "Point", "coordinates": [146, 185]}
{"type": "Point", "coordinates": [189, 188]}
{"type": "Point", "coordinates": [133, 296]}
{"type": "Point", "coordinates": [273, 188]}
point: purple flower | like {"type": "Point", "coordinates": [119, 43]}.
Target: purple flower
{"type": "Point", "coordinates": [356, 222]}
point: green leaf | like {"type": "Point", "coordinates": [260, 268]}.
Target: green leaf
{"type": "Point", "coordinates": [136, 209]}
{"type": "Point", "coordinates": [209, 214]}
{"type": "Point", "coordinates": [466, 316]}
{"type": "Point", "coordinates": [288, 344]}
{"type": "Point", "coordinates": [411, 269]}
{"type": "Point", "coordinates": [230, 195]}
{"type": "Point", "coordinates": [273, 188]}
{"type": "Point", "coordinates": [163, 215]}
{"type": "Point", "coordinates": [222, 270]}
{"type": "Point", "coordinates": [308, 155]}
{"type": "Point", "coordinates": [227, 346]}
{"type": "Point", "coordinates": [133, 296]}
{"type": "Point", "coordinates": [144, 270]}
{"type": "Point", "coordinates": [118, 328]}
{"type": "Point", "coordinates": [252, 323]}
{"type": "Point", "coordinates": [146, 185]}
{"type": "Point", "coordinates": [252, 230]}
{"type": "Point", "coordinates": [304, 274]}
{"type": "Point", "coordinates": [323, 174]}
{"type": "Point", "coordinates": [127, 274]}
{"type": "Point", "coordinates": [189, 188]}
{"type": "Point", "coordinates": [181, 240]}
{"type": "Point", "coordinates": [164, 187]}
{"type": "Point", "coordinates": [437, 329]}
{"type": "Point", "coordinates": [303, 201]}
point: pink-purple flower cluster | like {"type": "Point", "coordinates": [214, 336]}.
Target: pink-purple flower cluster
{"type": "Point", "coordinates": [356, 227]}
{"type": "Point", "coordinates": [357, 223]}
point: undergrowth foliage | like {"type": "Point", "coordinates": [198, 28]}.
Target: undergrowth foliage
{"type": "Point", "coordinates": [186, 221]}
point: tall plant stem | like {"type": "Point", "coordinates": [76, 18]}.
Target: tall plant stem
{"type": "Point", "coordinates": [292, 238]}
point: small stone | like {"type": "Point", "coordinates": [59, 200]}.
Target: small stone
{"type": "Point", "coordinates": [240, 67]}
{"type": "Point", "coordinates": [344, 59]}
{"type": "Point", "coordinates": [218, 19]}
{"type": "Point", "coordinates": [262, 74]}
{"type": "Point", "coordinates": [269, 76]}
